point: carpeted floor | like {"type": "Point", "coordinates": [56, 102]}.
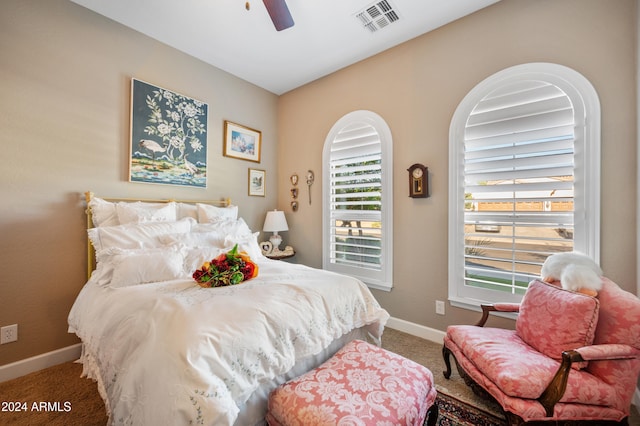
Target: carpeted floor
{"type": "Point", "coordinates": [59, 396]}
{"type": "Point", "coordinates": [429, 354]}
{"type": "Point", "coordinates": [69, 400]}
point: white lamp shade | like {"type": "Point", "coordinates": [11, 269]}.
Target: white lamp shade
{"type": "Point", "coordinates": [275, 222]}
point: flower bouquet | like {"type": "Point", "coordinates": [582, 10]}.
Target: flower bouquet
{"type": "Point", "coordinates": [227, 269]}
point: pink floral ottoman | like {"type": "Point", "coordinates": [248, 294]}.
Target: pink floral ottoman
{"type": "Point", "coordinates": [361, 384]}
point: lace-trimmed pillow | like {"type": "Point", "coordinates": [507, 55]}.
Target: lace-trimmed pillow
{"type": "Point", "coordinates": [208, 213]}
{"type": "Point", "coordinates": [103, 213]}
{"type": "Point", "coordinates": [134, 267]}
{"type": "Point", "coordinates": [140, 212]}
{"type": "Point", "coordinates": [135, 235]}
{"type": "Point", "coordinates": [553, 320]}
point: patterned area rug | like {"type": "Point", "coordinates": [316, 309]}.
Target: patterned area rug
{"type": "Point", "coordinates": [453, 412]}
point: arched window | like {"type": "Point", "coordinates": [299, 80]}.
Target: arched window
{"type": "Point", "coordinates": [358, 199]}
{"type": "Point", "coordinates": [524, 158]}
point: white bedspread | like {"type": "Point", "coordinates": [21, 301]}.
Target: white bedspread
{"type": "Point", "coordinates": [173, 353]}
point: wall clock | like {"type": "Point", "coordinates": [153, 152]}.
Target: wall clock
{"type": "Point", "coordinates": [418, 181]}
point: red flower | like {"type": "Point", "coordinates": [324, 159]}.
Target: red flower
{"type": "Point", "coordinates": [248, 270]}
{"type": "Point", "coordinates": [226, 269]}
{"type": "Point", "coordinates": [221, 263]}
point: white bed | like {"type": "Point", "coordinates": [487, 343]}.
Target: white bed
{"type": "Point", "coordinates": [165, 351]}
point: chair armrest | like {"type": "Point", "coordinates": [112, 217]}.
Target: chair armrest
{"type": "Point", "coordinates": [496, 307]}
{"type": "Point", "coordinates": [555, 390]}
{"type": "Point", "coordinates": [608, 352]}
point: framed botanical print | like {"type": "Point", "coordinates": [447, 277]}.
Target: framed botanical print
{"type": "Point", "coordinates": [168, 137]}
{"type": "Point", "coordinates": [257, 182]}
{"type": "Point", "coordinates": [242, 142]}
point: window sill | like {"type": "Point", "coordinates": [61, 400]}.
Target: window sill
{"type": "Point", "coordinates": [474, 305]}
{"type": "Point", "coordinates": [382, 287]}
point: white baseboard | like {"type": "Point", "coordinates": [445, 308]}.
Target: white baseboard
{"type": "Point", "coordinates": [38, 362]}
{"type": "Point", "coordinates": [417, 330]}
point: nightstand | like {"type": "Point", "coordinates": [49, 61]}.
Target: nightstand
{"type": "Point", "coordinates": [280, 255]}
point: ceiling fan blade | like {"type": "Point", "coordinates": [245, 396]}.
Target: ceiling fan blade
{"type": "Point", "coordinates": [279, 13]}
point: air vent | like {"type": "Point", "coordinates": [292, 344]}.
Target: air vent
{"type": "Point", "coordinates": [377, 15]}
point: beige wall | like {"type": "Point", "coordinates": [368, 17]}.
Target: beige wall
{"type": "Point", "coordinates": [64, 114]}
{"type": "Point", "coordinates": [65, 77]}
{"type": "Point", "coordinates": [417, 86]}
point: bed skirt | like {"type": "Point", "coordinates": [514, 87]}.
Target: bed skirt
{"type": "Point", "coordinates": [253, 411]}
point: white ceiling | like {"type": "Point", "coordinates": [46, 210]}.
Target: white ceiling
{"type": "Point", "coordinates": [326, 37]}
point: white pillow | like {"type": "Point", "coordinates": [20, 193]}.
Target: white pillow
{"type": "Point", "coordinates": [208, 213]}
{"type": "Point", "coordinates": [135, 236]}
{"type": "Point", "coordinates": [139, 212]}
{"type": "Point", "coordinates": [103, 213]}
{"type": "Point", "coordinates": [187, 210]}
{"type": "Point", "coordinates": [195, 239]}
{"type": "Point", "coordinates": [194, 257]}
{"type": "Point", "coordinates": [103, 272]}
{"type": "Point", "coordinates": [224, 226]}
{"type": "Point", "coordinates": [133, 267]}
{"type": "Point", "coordinates": [247, 243]}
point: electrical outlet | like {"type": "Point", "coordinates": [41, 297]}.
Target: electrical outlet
{"type": "Point", "coordinates": [439, 307]}
{"type": "Point", "coordinates": [8, 334]}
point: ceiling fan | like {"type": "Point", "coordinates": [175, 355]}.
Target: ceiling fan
{"type": "Point", "coordinates": [279, 13]}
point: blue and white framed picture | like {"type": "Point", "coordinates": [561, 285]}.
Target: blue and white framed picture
{"type": "Point", "coordinates": [257, 182]}
{"type": "Point", "coordinates": [168, 137]}
{"type": "Point", "coordinates": [241, 142]}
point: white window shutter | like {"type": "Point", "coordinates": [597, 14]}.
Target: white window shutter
{"type": "Point", "coordinates": [357, 202]}
{"type": "Point", "coordinates": [518, 181]}
{"type": "Point", "coordinates": [524, 180]}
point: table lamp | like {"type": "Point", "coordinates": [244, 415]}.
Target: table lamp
{"type": "Point", "coordinates": [275, 222]}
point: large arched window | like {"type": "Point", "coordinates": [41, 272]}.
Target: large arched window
{"type": "Point", "coordinates": [524, 158]}
{"type": "Point", "coordinates": [358, 199]}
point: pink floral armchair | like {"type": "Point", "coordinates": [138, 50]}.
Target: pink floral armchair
{"type": "Point", "coordinates": [571, 357]}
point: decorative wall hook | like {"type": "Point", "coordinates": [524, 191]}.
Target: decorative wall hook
{"type": "Point", "coordinates": [310, 179]}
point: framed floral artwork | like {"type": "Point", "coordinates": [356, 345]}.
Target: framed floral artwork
{"type": "Point", "coordinates": [242, 142]}
{"type": "Point", "coordinates": [168, 137]}
{"type": "Point", "coordinates": [257, 182]}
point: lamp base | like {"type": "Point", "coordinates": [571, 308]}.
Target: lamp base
{"type": "Point", "coordinates": [275, 240]}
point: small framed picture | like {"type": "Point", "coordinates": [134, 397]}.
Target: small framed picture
{"type": "Point", "coordinates": [257, 184]}
{"type": "Point", "coordinates": [241, 142]}
{"type": "Point", "coordinates": [266, 247]}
